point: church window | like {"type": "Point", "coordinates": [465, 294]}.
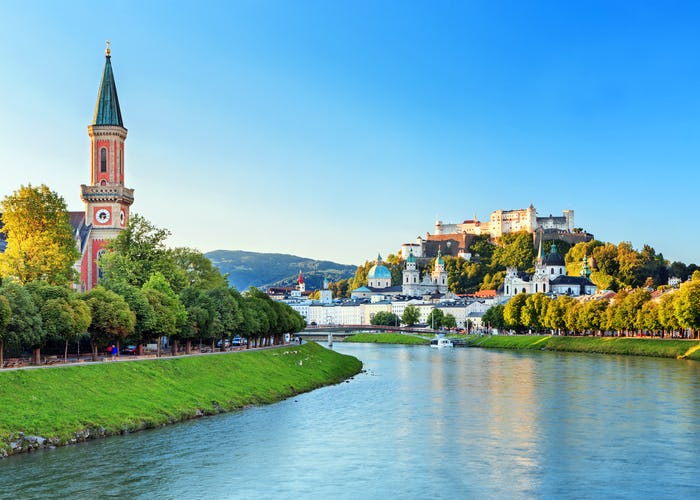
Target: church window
{"type": "Point", "coordinates": [561, 270]}
{"type": "Point", "coordinates": [551, 271]}
{"type": "Point", "coordinates": [544, 287]}
{"type": "Point", "coordinates": [103, 160]}
{"type": "Point", "coordinates": [536, 290]}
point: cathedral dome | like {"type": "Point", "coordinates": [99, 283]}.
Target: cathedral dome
{"type": "Point", "coordinates": [379, 270]}
{"type": "Point", "coordinates": [554, 258]}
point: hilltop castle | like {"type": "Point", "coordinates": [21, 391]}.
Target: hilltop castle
{"type": "Point", "coordinates": [455, 239]}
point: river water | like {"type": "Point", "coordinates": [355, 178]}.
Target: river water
{"type": "Point", "coordinates": [418, 423]}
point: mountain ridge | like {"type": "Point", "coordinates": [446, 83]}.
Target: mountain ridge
{"type": "Point", "coordinates": [262, 270]}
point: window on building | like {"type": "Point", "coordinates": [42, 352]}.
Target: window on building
{"type": "Point", "coordinates": [103, 160]}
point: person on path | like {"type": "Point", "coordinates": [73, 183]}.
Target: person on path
{"type": "Point", "coordinates": [114, 352]}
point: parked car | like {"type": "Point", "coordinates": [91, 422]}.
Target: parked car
{"type": "Point", "coordinates": [226, 343]}
{"type": "Point", "coordinates": [131, 350]}
{"type": "Point", "coordinates": [237, 341]}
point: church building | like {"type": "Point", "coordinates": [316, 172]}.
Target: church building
{"type": "Point", "coordinates": [106, 199]}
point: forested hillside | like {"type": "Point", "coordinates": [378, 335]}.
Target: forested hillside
{"type": "Point", "coordinates": [261, 270]}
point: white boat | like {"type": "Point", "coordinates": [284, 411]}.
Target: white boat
{"type": "Point", "coordinates": [440, 342]}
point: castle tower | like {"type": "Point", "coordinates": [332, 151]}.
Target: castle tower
{"type": "Point", "coordinates": [106, 199]}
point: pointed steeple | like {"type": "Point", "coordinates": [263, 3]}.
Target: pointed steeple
{"type": "Point", "coordinates": [107, 110]}
{"type": "Point", "coordinates": [540, 252]}
{"type": "Point", "coordinates": [585, 270]}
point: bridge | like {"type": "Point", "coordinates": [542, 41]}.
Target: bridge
{"type": "Point", "coordinates": [324, 329]}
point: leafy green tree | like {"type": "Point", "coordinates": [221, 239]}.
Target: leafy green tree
{"type": "Point", "coordinates": [340, 288]}
{"type": "Point", "coordinates": [385, 318]}
{"type": "Point", "coordinates": [25, 326]}
{"type": "Point", "coordinates": [142, 308]}
{"type": "Point", "coordinates": [493, 317]}
{"type": "Point", "coordinates": [5, 316]}
{"type": "Point", "coordinates": [593, 315]}
{"type": "Point", "coordinates": [688, 306]}
{"type": "Point", "coordinates": [450, 321]}
{"type": "Point", "coordinates": [170, 316]}
{"type": "Point", "coordinates": [410, 316]}
{"type": "Point", "coordinates": [66, 319]}
{"type": "Point", "coordinates": [555, 317]}
{"type": "Point", "coordinates": [436, 319]}
{"type": "Point", "coordinates": [534, 311]}
{"type": "Point", "coordinates": [492, 281]}
{"type": "Point", "coordinates": [200, 271]}
{"type": "Point", "coordinates": [136, 253]}
{"type": "Point", "coordinates": [40, 244]}
{"type": "Point", "coordinates": [515, 249]}
{"type": "Point", "coordinates": [667, 313]}
{"type": "Point", "coordinates": [112, 319]}
{"type": "Point", "coordinates": [512, 311]}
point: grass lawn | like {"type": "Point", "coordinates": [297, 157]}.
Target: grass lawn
{"type": "Point", "coordinates": [387, 338]}
{"type": "Point", "coordinates": [664, 348]}
{"type": "Point", "coordinates": [57, 402]}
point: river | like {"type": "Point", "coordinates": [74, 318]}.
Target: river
{"type": "Point", "coordinates": [418, 423]}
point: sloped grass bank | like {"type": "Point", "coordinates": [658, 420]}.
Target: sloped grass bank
{"type": "Point", "coordinates": [62, 405]}
{"type": "Point", "coordinates": [684, 349]}
{"type": "Point", "coordinates": [386, 338]}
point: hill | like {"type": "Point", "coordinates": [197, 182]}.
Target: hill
{"type": "Point", "coordinates": [261, 270]}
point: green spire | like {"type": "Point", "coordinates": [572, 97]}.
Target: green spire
{"type": "Point", "coordinates": [440, 261]}
{"type": "Point", "coordinates": [107, 110]}
{"type": "Point", "coordinates": [411, 258]}
{"type": "Point", "coordinates": [585, 270]}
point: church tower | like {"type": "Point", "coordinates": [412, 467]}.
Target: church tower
{"type": "Point", "coordinates": [106, 199]}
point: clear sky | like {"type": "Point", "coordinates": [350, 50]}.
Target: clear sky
{"type": "Point", "coordinates": [337, 130]}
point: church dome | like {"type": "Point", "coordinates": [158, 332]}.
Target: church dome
{"type": "Point", "coordinates": [554, 258]}
{"type": "Point", "coordinates": [379, 270]}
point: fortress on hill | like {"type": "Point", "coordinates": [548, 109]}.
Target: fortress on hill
{"type": "Point", "coordinates": [455, 238]}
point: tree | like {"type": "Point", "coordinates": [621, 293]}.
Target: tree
{"type": "Point", "coordinates": [688, 306]}
{"type": "Point", "coordinates": [141, 307]}
{"type": "Point", "coordinates": [493, 317]}
{"type": "Point", "coordinates": [514, 250]}
{"type": "Point", "coordinates": [436, 318]}
{"type": "Point", "coordinates": [40, 244]}
{"type": "Point", "coordinates": [112, 319]}
{"type": "Point", "coordinates": [533, 313]}
{"type": "Point", "coordinates": [555, 317]}
{"type": "Point", "coordinates": [136, 253]}
{"type": "Point", "coordinates": [66, 319]}
{"type": "Point", "coordinates": [449, 321]}
{"type": "Point", "coordinates": [5, 315]}
{"type": "Point", "coordinates": [25, 328]}
{"type": "Point", "coordinates": [170, 316]}
{"type": "Point", "coordinates": [410, 316]}
{"type": "Point", "coordinates": [200, 271]}
{"type": "Point", "coordinates": [385, 318]}
{"type": "Point", "coordinates": [512, 311]}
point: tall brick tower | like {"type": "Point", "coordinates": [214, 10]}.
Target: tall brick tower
{"type": "Point", "coordinates": [106, 199]}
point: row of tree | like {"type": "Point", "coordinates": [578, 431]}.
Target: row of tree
{"type": "Point", "coordinates": [147, 291]}
{"type": "Point", "coordinates": [411, 315]}
{"type": "Point", "coordinates": [675, 314]}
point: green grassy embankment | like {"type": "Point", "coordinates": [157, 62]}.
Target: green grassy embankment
{"type": "Point", "coordinates": [68, 404]}
{"type": "Point", "coordinates": [387, 338]}
{"type": "Point", "coordinates": [662, 348]}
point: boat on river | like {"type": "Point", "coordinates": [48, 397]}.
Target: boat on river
{"type": "Point", "coordinates": [440, 341]}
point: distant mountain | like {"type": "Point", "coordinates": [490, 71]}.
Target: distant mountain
{"type": "Point", "coordinates": [262, 270]}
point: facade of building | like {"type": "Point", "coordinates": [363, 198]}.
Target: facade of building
{"type": "Point", "coordinates": [550, 277]}
{"type": "Point", "coordinates": [436, 281]}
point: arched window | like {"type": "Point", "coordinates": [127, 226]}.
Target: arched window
{"type": "Point", "coordinates": [103, 160]}
{"type": "Point", "coordinates": [551, 271]}
{"type": "Point", "coordinates": [544, 287]}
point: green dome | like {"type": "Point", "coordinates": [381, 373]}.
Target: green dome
{"type": "Point", "coordinates": [379, 271]}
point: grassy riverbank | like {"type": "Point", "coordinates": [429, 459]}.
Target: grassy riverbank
{"type": "Point", "coordinates": [601, 345]}
{"type": "Point", "coordinates": [386, 338]}
{"type": "Point", "coordinates": [68, 404]}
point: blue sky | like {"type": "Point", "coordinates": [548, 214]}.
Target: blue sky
{"type": "Point", "coordinates": [336, 130]}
